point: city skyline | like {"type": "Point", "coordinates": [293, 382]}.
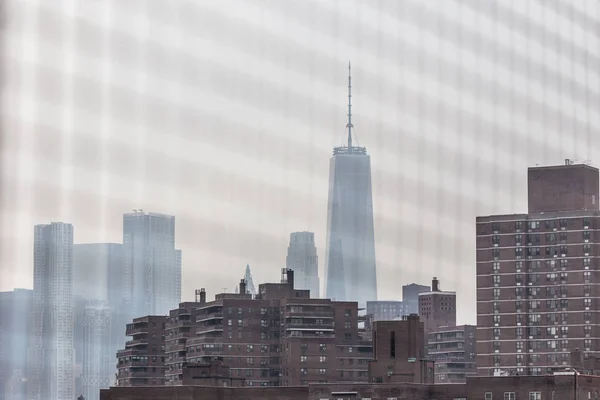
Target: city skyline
{"type": "Point", "coordinates": [455, 101]}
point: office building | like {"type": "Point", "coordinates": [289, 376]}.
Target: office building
{"type": "Point", "coordinates": [98, 362]}
{"type": "Point", "coordinates": [385, 310]}
{"type": "Point", "coordinates": [302, 258]}
{"type": "Point", "coordinates": [15, 307]}
{"type": "Point", "coordinates": [250, 288]}
{"type": "Point", "coordinates": [453, 350]}
{"type": "Point", "coordinates": [151, 263]}
{"type": "Point", "coordinates": [350, 270]}
{"type": "Point", "coordinates": [537, 276]}
{"type": "Point", "coordinates": [280, 337]}
{"type": "Point", "coordinates": [410, 297]}
{"type": "Point", "coordinates": [50, 358]}
{"type": "Point", "coordinates": [437, 308]}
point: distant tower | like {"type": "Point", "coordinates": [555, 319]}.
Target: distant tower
{"type": "Point", "coordinates": [98, 360]}
{"type": "Point", "coordinates": [249, 283]}
{"type": "Point", "coordinates": [350, 269]}
{"type": "Point", "coordinates": [152, 264]}
{"type": "Point", "coordinates": [50, 358]}
{"type": "Point", "coordinates": [302, 259]}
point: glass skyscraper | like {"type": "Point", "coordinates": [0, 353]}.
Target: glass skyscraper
{"type": "Point", "coordinates": [350, 269]}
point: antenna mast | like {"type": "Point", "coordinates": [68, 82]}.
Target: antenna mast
{"type": "Point", "coordinates": [349, 126]}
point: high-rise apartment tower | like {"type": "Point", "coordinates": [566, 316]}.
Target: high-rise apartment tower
{"type": "Point", "coordinates": [50, 358]}
{"type": "Point", "coordinates": [538, 276]}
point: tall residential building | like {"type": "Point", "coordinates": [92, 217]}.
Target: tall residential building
{"type": "Point", "coordinates": [302, 258]}
{"type": "Point", "coordinates": [350, 270]}
{"type": "Point", "coordinates": [437, 308]}
{"type": "Point", "coordinates": [538, 276]}
{"type": "Point", "coordinates": [98, 363]}
{"type": "Point", "coordinates": [50, 358]}
{"type": "Point", "coordinates": [151, 263]}
{"type": "Point", "coordinates": [15, 306]}
{"type": "Point", "coordinates": [280, 337]}
{"type": "Point", "coordinates": [410, 297]}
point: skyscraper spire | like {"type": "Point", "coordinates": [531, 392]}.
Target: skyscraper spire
{"type": "Point", "coordinates": [349, 125]}
{"type": "Point", "coordinates": [249, 282]}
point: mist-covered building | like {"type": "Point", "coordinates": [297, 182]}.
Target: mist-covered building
{"type": "Point", "coordinates": [302, 259]}
{"type": "Point", "coordinates": [350, 269]}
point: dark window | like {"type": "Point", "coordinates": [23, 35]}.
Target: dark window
{"type": "Point", "coordinates": [393, 344]}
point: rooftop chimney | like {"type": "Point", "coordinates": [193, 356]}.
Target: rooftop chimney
{"type": "Point", "coordinates": [201, 296]}
{"type": "Point", "coordinates": [435, 285]}
{"type": "Point", "coordinates": [290, 277]}
{"type": "Point", "coordinates": [242, 286]}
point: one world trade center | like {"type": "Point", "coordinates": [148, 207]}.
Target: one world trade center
{"type": "Point", "coordinates": [350, 270]}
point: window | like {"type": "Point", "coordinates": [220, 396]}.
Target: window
{"type": "Point", "coordinates": [495, 227]}
{"type": "Point", "coordinates": [347, 313]}
{"type": "Point", "coordinates": [510, 396]}
{"type": "Point", "coordinates": [323, 359]}
{"type": "Point", "coordinates": [518, 227]}
{"type": "Point", "coordinates": [535, 396]}
{"type": "Point", "coordinates": [303, 359]}
{"type": "Point", "coordinates": [496, 239]}
{"type": "Point", "coordinates": [322, 371]}
{"type": "Point", "coordinates": [496, 253]}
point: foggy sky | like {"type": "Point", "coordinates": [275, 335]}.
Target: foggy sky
{"type": "Point", "coordinates": [225, 113]}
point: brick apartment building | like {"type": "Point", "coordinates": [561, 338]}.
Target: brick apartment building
{"type": "Point", "coordinates": [400, 365]}
{"type": "Point", "coordinates": [281, 337]}
{"type": "Point", "coordinates": [453, 350]}
{"type": "Point", "coordinates": [538, 276]}
{"type": "Point", "coordinates": [142, 361]}
{"type": "Point", "coordinates": [437, 307]}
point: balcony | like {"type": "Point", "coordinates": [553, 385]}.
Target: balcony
{"type": "Point", "coordinates": [137, 329]}
{"type": "Point", "coordinates": [203, 330]}
{"type": "Point", "coordinates": [306, 326]}
{"type": "Point", "coordinates": [308, 313]}
{"type": "Point", "coordinates": [137, 342]}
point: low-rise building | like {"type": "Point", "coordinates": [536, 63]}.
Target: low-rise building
{"type": "Point", "coordinates": [453, 350]}
{"type": "Point", "coordinates": [557, 386]}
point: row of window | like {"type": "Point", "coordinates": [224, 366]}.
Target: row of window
{"type": "Point", "coordinates": [562, 250]}
{"type": "Point", "coordinates": [533, 239]}
{"type": "Point", "coordinates": [537, 318]}
{"type": "Point", "coordinates": [537, 264]}
{"type": "Point", "coordinates": [513, 396]}
{"type": "Point", "coordinates": [548, 224]}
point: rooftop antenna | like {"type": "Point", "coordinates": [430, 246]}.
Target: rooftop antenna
{"type": "Point", "coordinates": [349, 126]}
